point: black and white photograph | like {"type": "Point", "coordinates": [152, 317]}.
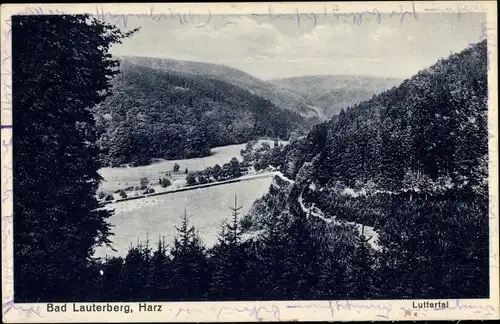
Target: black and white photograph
{"type": "Point", "coordinates": [306, 156]}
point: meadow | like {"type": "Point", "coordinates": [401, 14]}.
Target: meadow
{"type": "Point", "coordinates": [154, 217]}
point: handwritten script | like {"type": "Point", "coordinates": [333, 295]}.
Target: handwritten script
{"type": "Point", "coordinates": [24, 311]}
{"type": "Point", "coordinates": [337, 306]}
{"type": "Point", "coordinates": [330, 13]}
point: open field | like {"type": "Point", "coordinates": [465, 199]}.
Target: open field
{"type": "Point", "coordinates": [120, 178]}
{"type": "Point", "coordinates": [157, 216]}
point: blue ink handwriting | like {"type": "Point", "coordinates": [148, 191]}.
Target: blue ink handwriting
{"type": "Point", "coordinates": [28, 312]}
{"type": "Point", "coordinates": [254, 312]}
{"type": "Point", "coordinates": [337, 306]}
{"type": "Point", "coordinates": [458, 8]}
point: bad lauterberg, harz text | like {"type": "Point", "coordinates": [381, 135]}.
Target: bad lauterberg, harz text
{"type": "Point", "coordinates": [93, 307]}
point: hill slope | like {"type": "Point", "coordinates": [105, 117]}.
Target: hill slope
{"type": "Point", "coordinates": [158, 114]}
{"type": "Point", "coordinates": [283, 98]}
{"type": "Point", "coordinates": [413, 163]}
{"type": "Point", "coordinates": [333, 92]}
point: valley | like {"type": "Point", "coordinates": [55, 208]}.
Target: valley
{"type": "Point", "coordinates": [330, 93]}
{"type": "Point", "coordinates": [157, 215]}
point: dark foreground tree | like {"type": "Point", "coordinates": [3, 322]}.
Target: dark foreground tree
{"type": "Point", "coordinates": [61, 69]}
{"type": "Point", "coordinates": [228, 259]}
{"type": "Point", "coordinates": [188, 279]}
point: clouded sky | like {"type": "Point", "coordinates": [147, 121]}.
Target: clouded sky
{"type": "Point", "coordinates": [276, 47]}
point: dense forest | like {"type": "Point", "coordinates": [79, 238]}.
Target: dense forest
{"type": "Point", "coordinates": [411, 162]}
{"type": "Point", "coordinates": [433, 127]}
{"type": "Point", "coordinates": [158, 114]}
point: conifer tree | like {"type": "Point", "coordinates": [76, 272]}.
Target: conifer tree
{"type": "Point", "coordinates": [228, 258]}
{"type": "Point", "coordinates": [272, 258]}
{"type": "Point", "coordinates": [161, 268]}
{"type": "Point", "coordinates": [189, 265]}
{"type": "Point", "coordinates": [135, 273]}
{"type": "Point", "coordinates": [61, 69]}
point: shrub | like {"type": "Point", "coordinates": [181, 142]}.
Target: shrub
{"type": "Point", "coordinates": [202, 180]}
{"type": "Point", "coordinates": [109, 197]}
{"type": "Point", "coordinates": [176, 167]}
{"type": "Point", "coordinates": [148, 191]}
{"type": "Point", "coordinates": [123, 194]}
{"type": "Point", "coordinates": [101, 195]}
{"type": "Point", "coordinates": [143, 183]}
{"type": "Point", "coordinates": [165, 182]}
{"type": "Point", "coordinates": [191, 180]}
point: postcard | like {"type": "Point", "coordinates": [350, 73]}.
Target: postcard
{"type": "Point", "coordinates": [217, 162]}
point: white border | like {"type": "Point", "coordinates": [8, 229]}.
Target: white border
{"type": "Point", "coordinates": [252, 311]}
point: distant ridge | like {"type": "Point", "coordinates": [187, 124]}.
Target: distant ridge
{"type": "Point", "coordinates": [331, 93]}
{"type": "Point", "coordinates": [281, 97]}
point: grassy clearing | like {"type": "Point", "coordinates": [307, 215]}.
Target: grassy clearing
{"type": "Point", "coordinates": [157, 216]}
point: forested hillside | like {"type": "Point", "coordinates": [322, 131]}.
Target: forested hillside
{"type": "Point", "coordinates": [331, 93]}
{"type": "Point", "coordinates": [158, 114]}
{"type": "Point", "coordinates": [432, 127]}
{"type": "Point", "coordinates": [281, 97]}
{"type": "Point", "coordinates": [413, 163]}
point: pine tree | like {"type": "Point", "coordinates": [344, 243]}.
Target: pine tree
{"type": "Point", "coordinates": [161, 268]}
{"type": "Point", "coordinates": [228, 258]}
{"type": "Point", "coordinates": [61, 69]}
{"type": "Point", "coordinates": [273, 247]}
{"type": "Point", "coordinates": [425, 141]}
{"type": "Point", "coordinates": [135, 274]}
{"type": "Point", "coordinates": [189, 265]}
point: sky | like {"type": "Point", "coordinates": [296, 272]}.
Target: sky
{"type": "Point", "coordinates": [272, 47]}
